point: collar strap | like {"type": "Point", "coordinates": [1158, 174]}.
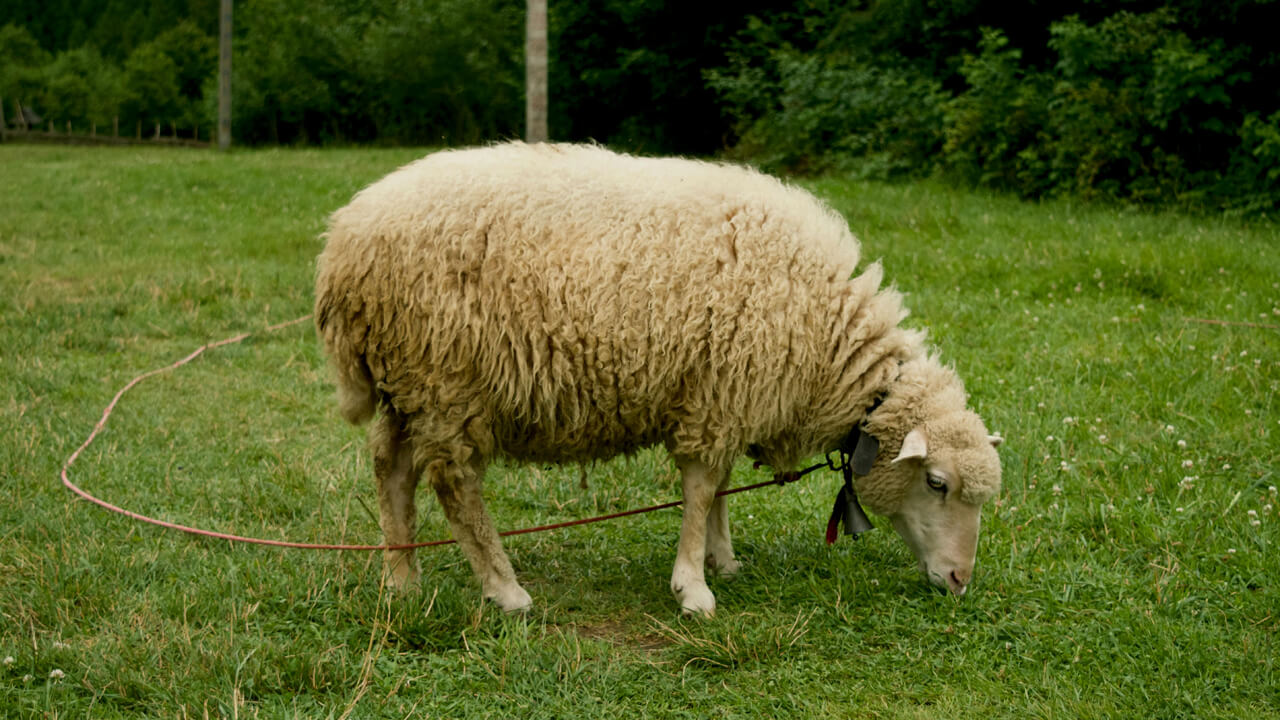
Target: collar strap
{"type": "Point", "coordinates": [858, 453]}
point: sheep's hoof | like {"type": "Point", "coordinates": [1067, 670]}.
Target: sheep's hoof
{"type": "Point", "coordinates": [513, 600]}
{"type": "Point", "coordinates": [725, 569]}
{"type": "Point", "coordinates": [696, 601]}
{"type": "Point", "coordinates": [402, 578]}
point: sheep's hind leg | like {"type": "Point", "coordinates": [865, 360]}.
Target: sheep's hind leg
{"type": "Point", "coordinates": [397, 481]}
{"type": "Point", "coordinates": [457, 485]}
{"type": "Point", "coordinates": [688, 578]}
{"type": "Point", "coordinates": [719, 550]}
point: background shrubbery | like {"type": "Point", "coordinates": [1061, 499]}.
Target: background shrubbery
{"type": "Point", "coordinates": [1139, 100]}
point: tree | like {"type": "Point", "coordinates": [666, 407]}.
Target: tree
{"type": "Point", "coordinates": [21, 60]}
{"type": "Point", "coordinates": [150, 86]}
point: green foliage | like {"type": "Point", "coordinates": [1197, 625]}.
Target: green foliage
{"type": "Point", "coordinates": [993, 129]}
{"type": "Point", "coordinates": [195, 57]}
{"type": "Point", "coordinates": [1161, 102]}
{"type": "Point", "coordinates": [1253, 183]}
{"type": "Point", "coordinates": [151, 93]}
{"type": "Point", "coordinates": [80, 87]}
{"type": "Point", "coordinates": [21, 60]}
{"type": "Point", "coordinates": [280, 69]}
{"type": "Point", "coordinates": [464, 86]}
{"type": "Point", "coordinates": [630, 72]}
{"type": "Point", "coordinates": [847, 115]}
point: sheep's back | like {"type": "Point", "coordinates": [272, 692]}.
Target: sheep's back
{"type": "Point", "coordinates": [589, 302]}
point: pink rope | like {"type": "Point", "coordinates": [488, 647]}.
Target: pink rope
{"type": "Point", "coordinates": [106, 413]}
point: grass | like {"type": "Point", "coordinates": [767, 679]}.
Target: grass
{"type": "Point", "coordinates": [1129, 567]}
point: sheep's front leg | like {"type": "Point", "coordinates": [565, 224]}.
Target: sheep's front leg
{"type": "Point", "coordinates": [688, 580]}
{"type": "Point", "coordinates": [719, 546]}
{"type": "Point", "coordinates": [397, 481]}
{"type": "Point", "coordinates": [458, 489]}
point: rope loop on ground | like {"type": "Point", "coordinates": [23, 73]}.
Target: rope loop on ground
{"type": "Point", "coordinates": [779, 479]}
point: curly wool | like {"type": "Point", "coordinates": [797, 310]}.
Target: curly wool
{"type": "Point", "coordinates": [563, 303]}
{"type": "Point", "coordinates": [929, 396]}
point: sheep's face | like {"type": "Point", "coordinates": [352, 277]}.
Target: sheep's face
{"type": "Point", "coordinates": [948, 468]}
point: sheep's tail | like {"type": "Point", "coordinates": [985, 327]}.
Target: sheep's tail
{"type": "Point", "coordinates": [343, 332]}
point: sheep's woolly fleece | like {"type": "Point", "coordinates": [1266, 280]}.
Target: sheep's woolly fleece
{"type": "Point", "coordinates": [563, 302]}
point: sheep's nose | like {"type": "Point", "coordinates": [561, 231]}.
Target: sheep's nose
{"type": "Point", "coordinates": [959, 580]}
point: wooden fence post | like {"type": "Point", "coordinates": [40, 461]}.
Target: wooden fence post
{"type": "Point", "coordinates": [535, 60]}
{"type": "Point", "coordinates": [224, 75]}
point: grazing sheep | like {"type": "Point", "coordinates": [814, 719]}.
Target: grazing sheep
{"type": "Point", "coordinates": [563, 303]}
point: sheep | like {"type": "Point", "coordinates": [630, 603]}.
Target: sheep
{"type": "Point", "coordinates": [563, 303]}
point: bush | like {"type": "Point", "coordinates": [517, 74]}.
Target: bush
{"type": "Point", "coordinates": [1134, 110]}
{"type": "Point", "coordinates": [993, 131]}
{"type": "Point", "coordinates": [845, 115]}
{"type": "Point", "coordinates": [1253, 184]}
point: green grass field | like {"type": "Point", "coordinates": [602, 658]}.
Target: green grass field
{"type": "Point", "coordinates": [1128, 569]}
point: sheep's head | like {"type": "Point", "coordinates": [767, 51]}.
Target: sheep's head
{"type": "Point", "coordinates": [933, 491]}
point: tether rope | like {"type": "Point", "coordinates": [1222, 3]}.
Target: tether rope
{"type": "Point", "coordinates": [779, 479]}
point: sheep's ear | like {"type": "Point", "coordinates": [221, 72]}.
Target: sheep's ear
{"type": "Point", "coordinates": [995, 440]}
{"type": "Point", "coordinates": [914, 447]}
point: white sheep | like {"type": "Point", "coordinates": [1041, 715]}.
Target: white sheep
{"type": "Point", "coordinates": [562, 303]}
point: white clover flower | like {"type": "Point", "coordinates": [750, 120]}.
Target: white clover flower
{"type": "Point", "coordinates": [1182, 444]}
{"type": "Point", "coordinates": [1255, 523]}
{"type": "Point", "coordinates": [1068, 420]}
{"type": "Point", "coordinates": [1231, 551]}
{"type": "Point", "coordinates": [1102, 438]}
{"type": "Point", "coordinates": [1188, 482]}
{"type": "Point", "coordinates": [1271, 489]}
{"type": "Point", "coordinates": [1177, 509]}
{"type": "Point", "coordinates": [1053, 506]}
{"type": "Point", "coordinates": [56, 674]}
{"type": "Point", "coordinates": [1170, 428]}
{"type": "Point", "coordinates": [1048, 438]}
{"type": "Point", "coordinates": [1064, 466]}
{"type": "Point", "coordinates": [8, 660]}
{"type": "Point", "coordinates": [28, 678]}
{"type": "Point", "coordinates": [1057, 489]}
{"type": "Point", "coordinates": [1252, 513]}
{"type": "Point", "coordinates": [1266, 508]}
{"type": "Point", "coordinates": [1188, 463]}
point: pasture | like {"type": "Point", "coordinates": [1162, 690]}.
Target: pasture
{"type": "Point", "coordinates": [1128, 568]}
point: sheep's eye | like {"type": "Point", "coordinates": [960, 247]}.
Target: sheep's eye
{"type": "Point", "coordinates": [936, 483]}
